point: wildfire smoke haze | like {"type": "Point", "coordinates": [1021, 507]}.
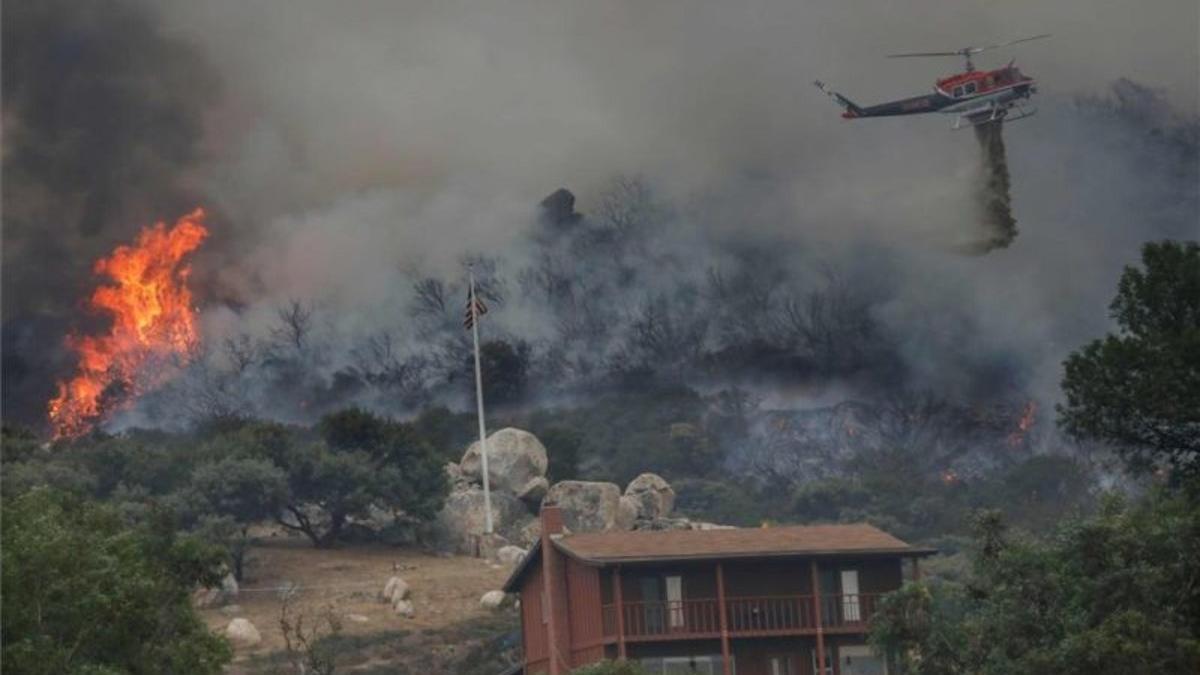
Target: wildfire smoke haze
{"type": "Point", "coordinates": [153, 325]}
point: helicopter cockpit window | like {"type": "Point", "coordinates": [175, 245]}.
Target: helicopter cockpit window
{"type": "Point", "coordinates": [958, 91]}
{"type": "Point", "coordinates": [969, 88]}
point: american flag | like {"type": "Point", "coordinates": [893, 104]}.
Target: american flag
{"type": "Point", "coordinates": [475, 309]}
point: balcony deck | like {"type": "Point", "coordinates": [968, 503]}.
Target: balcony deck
{"type": "Point", "coordinates": [760, 616]}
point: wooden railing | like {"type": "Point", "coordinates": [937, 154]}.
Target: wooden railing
{"type": "Point", "coordinates": [744, 616]}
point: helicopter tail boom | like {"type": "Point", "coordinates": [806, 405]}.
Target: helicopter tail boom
{"type": "Point", "coordinates": [852, 109]}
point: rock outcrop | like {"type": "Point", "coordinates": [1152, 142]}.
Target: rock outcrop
{"type": "Point", "coordinates": [587, 506]}
{"type": "Point", "coordinates": [654, 496]}
{"type": "Point", "coordinates": [516, 459]}
{"type": "Point", "coordinates": [517, 464]}
{"type": "Point", "coordinates": [460, 524]}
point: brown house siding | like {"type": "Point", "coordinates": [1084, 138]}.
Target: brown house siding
{"type": "Point", "coordinates": [533, 631]}
{"type": "Point", "coordinates": [587, 632]}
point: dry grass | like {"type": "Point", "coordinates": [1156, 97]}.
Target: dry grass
{"type": "Point", "coordinates": [445, 590]}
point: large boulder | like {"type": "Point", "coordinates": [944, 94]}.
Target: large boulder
{"type": "Point", "coordinates": [627, 512]}
{"type": "Point", "coordinates": [534, 491]}
{"type": "Point", "coordinates": [493, 600]}
{"type": "Point", "coordinates": [460, 524]}
{"type": "Point", "coordinates": [514, 457]}
{"type": "Point", "coordinates": [587, 506]}
{"type": "Point", "coordinates": [654, 496]}
{"type": "Point", "coordinates": [241, 633]}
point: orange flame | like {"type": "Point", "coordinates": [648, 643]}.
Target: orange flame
{"type": "Point", "coordinates": [1024, 424]}
{"type": "Point", "coordinates": [153, 323]}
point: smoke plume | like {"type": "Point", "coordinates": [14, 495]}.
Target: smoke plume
{"type": "Point", "coordinates": [352, 157]}
{"type": "Point", "coordinates": [103, 123]}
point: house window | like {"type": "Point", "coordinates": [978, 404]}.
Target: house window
{"type": "Point", "coordinates": [662, 602]}
{"type": "Point", "coordinates": [675, 601]}
{"type": "Point", "coordinates": [851, 609]}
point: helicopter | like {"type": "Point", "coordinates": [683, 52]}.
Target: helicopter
{"type": "Point", "coordinates": [976, 97]}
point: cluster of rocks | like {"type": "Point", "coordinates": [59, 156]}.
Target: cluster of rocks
{"type": "Point", "coordinates": [517, 464]}
{"type": "Point", "coordinates": [396, 593]}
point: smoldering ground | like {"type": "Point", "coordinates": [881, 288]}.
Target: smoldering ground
{"type": "Point", "coordinates": [354, 153]}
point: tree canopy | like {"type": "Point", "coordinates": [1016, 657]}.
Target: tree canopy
{"type": "Point", "coordinates": [86, 593]}
{"type": "Point", "coordinates": [1139, 389]}
{"type": "Point", "coordinates": [1111, 593]}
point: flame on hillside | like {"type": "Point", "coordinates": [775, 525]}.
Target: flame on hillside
{"type": "Point", "coordinates": [1024, 424]}
{"type": "Point", "coordinates": [153, 325]}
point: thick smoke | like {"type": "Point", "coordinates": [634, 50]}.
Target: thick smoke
{"type": "Point", "coordinates": [358, 156]}
{"type": "Point", "coordinates": [993, 192]}
{"type": "Point", "coordinates": [103, 121]}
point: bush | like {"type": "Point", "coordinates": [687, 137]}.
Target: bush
{"type": "Point", "coordinates": [85, 593]}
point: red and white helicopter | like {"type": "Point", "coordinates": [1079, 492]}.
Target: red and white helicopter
{"type": "Point", "coordinates": [975, 96]}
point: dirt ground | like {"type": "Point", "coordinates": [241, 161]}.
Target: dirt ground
{"type": "Point", "coordinates": [445, 590]}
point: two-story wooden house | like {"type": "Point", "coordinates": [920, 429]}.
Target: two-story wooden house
{"type": "Point", "coordinates": [769, 601]}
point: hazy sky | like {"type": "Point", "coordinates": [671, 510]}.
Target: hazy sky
{"type": "Point", "coordinates": [341, 146]}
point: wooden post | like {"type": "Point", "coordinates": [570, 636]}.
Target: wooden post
{"type": "Point", "coordinates": [726, 666]}
{"type": "Point", "coordinates": [916, 572]}
{"type": "Point", "coordinates": [816, 590]}
{"type": "Point", "coordinates": [619, 602]}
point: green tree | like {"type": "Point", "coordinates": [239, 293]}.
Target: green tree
{"type": "Point", "coordinates": [360, 463]}
{"type": "Point", "coordinates": [1140, 388]}
{"type": "Point", "coordinates": [227, 497]}
{"type": "Point", "coordinates": [86, 593]}
{"type": "Point", "coordinates": [1111, 593]}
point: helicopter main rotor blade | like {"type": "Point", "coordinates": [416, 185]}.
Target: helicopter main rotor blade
{"type": "Point", "coordinates": [976, 50]}
{"type": "Point", "coordinates": [900, 56]}
{"type": "Point", "coordinates": [967, 51]}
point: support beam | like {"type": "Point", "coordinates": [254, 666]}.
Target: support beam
{"type": "Point", "coordinates": [916, 571]}
{"type": "Point", "coordinates": [726, 665]}
{"type": "Point", "coordinates": [619, 603]}
{"type": "Point", "coordinates": [816, 591]}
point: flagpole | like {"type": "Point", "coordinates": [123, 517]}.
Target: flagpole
{"type": "Point", "coordinates": [483, 455]}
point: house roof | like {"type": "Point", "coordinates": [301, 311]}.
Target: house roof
{"type": "Point", "coordinates": [642, 546]}
{"type": "Point", "coordinates": [806, 540]}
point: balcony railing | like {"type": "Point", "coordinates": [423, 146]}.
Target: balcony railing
{"type": "Point", "coordinates": [744, 616]}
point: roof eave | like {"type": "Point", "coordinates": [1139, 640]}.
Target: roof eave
{"type": "Point", "coordinates": [909, 552]}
